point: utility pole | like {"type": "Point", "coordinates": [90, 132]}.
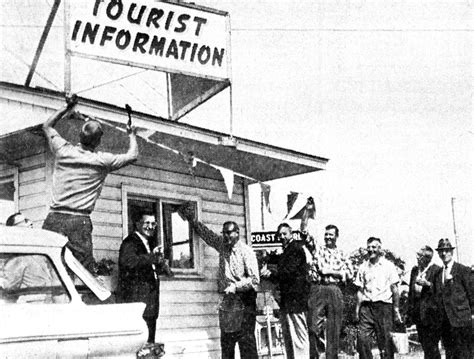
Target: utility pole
{"type": "Point", "coordinates": [453, 199]}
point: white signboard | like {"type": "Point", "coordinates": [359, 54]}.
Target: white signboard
{"type": "Point", "coordinates": [165, 36]}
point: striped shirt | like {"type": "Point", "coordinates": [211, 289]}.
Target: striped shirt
{"type": "Point", "coordinates": [330, 259]}
{"type": "Point", "coordinates": [237, 265]}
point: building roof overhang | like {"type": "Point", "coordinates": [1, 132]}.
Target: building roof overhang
{"type": "Point", "coordinates": [256, 160]}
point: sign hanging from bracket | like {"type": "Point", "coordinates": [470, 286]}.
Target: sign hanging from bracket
{"type": "Point", "coordinates": [190, 43]}
{"type": "Point", "coordinates": [171, 37]}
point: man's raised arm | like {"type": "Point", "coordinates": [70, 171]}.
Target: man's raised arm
{"type": "Point", "coordinates": [188, 212]}
{"type": "Point", "coordinates": [67, 109]}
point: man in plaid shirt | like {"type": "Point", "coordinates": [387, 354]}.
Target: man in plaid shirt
{"type": "Point", "coordinates": [328, 269]}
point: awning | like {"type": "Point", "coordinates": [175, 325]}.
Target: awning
{"type": "Point", "coordinates": [256, 160]}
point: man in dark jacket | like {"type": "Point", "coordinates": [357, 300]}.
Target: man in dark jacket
{"type": "Point", "coordinates": [292, 277]}
{"type": "Point", "coordinates": [140, 263]}
{"type": "Point", "coordinates": [422, 306]}
{"type": "Point", "coordinates": [454, 290]}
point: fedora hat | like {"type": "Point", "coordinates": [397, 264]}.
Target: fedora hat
{"type": "Point", "coordinates": [444, 243]}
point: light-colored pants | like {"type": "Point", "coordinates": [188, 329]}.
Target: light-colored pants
{"type": "Point", "coordinates": [295, 335]}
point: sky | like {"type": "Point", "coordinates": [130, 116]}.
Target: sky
{"type": "Point", "coordinates": [384, 91]}
{"type": "Point", "coordinates": [381, 89]}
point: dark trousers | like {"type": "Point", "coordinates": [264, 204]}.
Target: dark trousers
{"type": "Point", "coordinates": [78, 230]}
{"type": "Point", "coordinates": [457, 341]}
{"type": "Point", "coordinates": [429, 337]}
{"type": "Point", "coordinates": [375, 320]}
{"type": "Point", "coordinates": [325, 301]}
{"type": "Point", "coordinates": [245, 337]}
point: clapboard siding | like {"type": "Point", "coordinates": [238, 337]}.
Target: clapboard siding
{"type": "Point", "coordinates": [166, 335]}
{"type": "Point", "coordinates": [171, 284]}
{"type": "Point", "coordinates": [206, 194]}
{"type": "Point", "coordinates": [147, 168]}
{"type": "Point", "coordinates": [32, 175]}
{"type": "Point", "coordinates": [33, 195]}
{"type": "Point", "coordinates": [33, 188]}
{"type": "Point", "coordinates": [169, 296]}
{"type": "Point", "coordinates": [188, 321]}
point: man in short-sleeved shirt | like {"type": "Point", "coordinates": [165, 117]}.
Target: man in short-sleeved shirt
{"type": "Point", "coordinates": [238, 278]}
{"type": "Point", "coordinates": [377, 301]}
{"type": "Point", "coordinates": [78, 176]}
{"type": "Point", "coordinates": [329, 269]}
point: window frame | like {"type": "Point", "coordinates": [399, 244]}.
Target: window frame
{"type": "Point", "coordinates": [10, 174]}
{"type": "Point", "coordinates": [159, 195]}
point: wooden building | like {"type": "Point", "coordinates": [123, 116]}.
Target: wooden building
{"type": "Point", "coordinates": [160, 180]}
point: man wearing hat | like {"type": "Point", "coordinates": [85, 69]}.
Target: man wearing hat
{"type": "Point", "coordinates": [454, 289]}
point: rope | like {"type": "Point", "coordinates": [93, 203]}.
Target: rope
{"type": "Point", "coordinates": [28, 65]}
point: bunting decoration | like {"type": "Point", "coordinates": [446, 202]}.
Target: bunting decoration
{"type": "Point", "coordinates": [228, 176]}
{"type": "Point", "coordinates": [266, 195]}
{"type": "Point", "coordinates": [291, 199]}
{"type": "Point", "coordinates": [190, 159]}
{"type": "Point", "coordinates": [307, 212]}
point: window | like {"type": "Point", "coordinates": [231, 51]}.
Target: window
{"type": "Point", "coordinates": [30, 278]}
{"type": "Point", "coordinates": [173, 233]}
{"type": "Point", "coordinates": [8, 194]}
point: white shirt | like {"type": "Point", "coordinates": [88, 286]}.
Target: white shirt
{"type": "Point", "coordinates": [147, 246]}
{"type": "Point", "coordinates": [374, 280]}
{"type": "Point", "coordinates": [447, 268]}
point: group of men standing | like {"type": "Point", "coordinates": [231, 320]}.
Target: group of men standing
{"type": "Point", "coordinates": [309, 273]}
{"type": "Point", "coordinates": [440, 299]}
{"type": "Point", "coordinates": [316, 281]}
{"type": "Point", "coordinates": [441, 302]}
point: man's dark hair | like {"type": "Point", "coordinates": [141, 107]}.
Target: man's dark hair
{"type": "Point", "coordinates": [332, 226]}
{"type": "Point", "coordinates": [235, 225]}
{"type": "Point", "coordinates": [139, 215]}
{"type": "Point", "coordinates": [374, 239]}
{"type": "Point", "coordinates": [283, 225]}
{"type": "Point", "coordinates": [91, 133]}
{"type": "Point", "coordinates": [428, 249]}
{"type": "Point", "coordinates": [11, 220]}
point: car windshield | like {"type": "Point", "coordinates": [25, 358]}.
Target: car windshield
{"type": "Point", "coordinates": [87, 278]}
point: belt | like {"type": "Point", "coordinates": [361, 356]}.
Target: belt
{"type": "Point", "coordinates": [74, 212]}
{"type": "Point", "coordinates": [326, 284]}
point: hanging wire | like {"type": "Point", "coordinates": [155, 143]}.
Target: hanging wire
{"type": "Point", "coordinates": [28, 65]}
{"type": "Point", "coordinates": [138, 99]}
{"type": "Point", "coordinates": [111, 82]}
{"type": "Point", "coordinates": [153, 88]}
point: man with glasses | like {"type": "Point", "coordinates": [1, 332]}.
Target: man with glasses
{"type": "Point", "coordinates": [238, 279]}
{"type": "Point", "coordinates": [422, 307]}
{"type": "Point", "coordinates": [140, 263]}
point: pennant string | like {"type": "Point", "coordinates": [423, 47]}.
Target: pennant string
{"type": "Point", "coordinates": [146, 134]}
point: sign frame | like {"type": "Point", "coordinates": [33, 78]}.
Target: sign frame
{"type": "Point", "coordinates": [69, 52]}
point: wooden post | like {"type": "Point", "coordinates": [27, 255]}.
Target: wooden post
{"type": "Point", "coordinates": [454, 228]}
{"type": "Point", "coordinates": [67, 51]}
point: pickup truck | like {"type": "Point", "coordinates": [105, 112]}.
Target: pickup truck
{"type": "Point", "coordinates": [52, 307]}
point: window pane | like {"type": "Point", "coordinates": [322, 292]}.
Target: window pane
{"type": "Point", "coordinates": [30, 278]}
{"type": "Point", "coordinates": [177, 238]}
{"type": "Point", "coordinates": [173, 233]}
{"type": "Point", "coordinates": [7, 199]}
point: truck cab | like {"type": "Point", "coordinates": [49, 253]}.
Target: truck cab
{"type": "Point", "coordinates": [51, 306]}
